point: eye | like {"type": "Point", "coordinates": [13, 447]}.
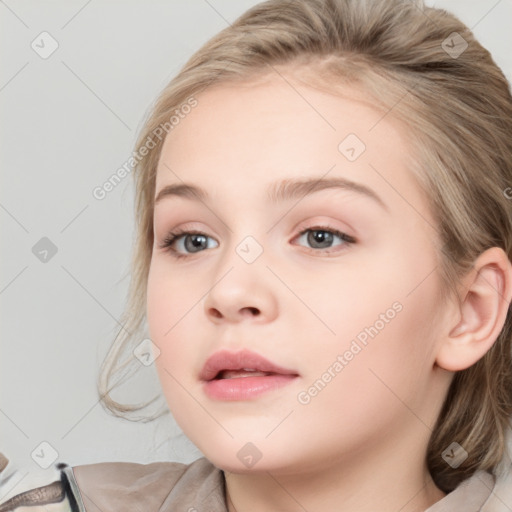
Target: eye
{"type": "Point", "coordinates": [322, 237]}
{"type": "Point", "coordinates": [193, 241]}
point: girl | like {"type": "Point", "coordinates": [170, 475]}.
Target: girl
{"type": "Point", "coordinates": [323, 260]}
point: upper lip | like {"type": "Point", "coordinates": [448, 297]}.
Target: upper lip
{"type": "Point", "coordinates": [225, 360]}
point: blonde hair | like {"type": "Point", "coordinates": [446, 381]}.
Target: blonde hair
{"type": "Point", "coordinates": [407, 59]}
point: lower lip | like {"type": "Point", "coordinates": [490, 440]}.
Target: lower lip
{"type": "Point", "coordinates": [245, 388]}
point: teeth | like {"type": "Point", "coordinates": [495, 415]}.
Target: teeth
{"type": "Point", "coordinates": [245, 372]}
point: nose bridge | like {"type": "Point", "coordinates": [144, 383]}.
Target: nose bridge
{"type": "Point", "coordinates": [244, 243]}
{"type": "Point", "coordinates": [242, 259]}
{"type": "Point", "coordinates": [239, 284]}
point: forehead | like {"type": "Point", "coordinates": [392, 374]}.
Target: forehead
{"type": "Point", "coordinates": [275, 113]}
{"type": "Point", "coordinates": [242, 137]}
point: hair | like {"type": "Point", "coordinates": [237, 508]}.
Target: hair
{"type": "Point", "coordinates": [457, 108]}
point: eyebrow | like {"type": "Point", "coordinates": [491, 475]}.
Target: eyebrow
{"type": "Point", "coordinates": [280, 191]}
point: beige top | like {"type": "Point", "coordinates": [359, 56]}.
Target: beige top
{"type": "Point", "coordinates": [200, 487]}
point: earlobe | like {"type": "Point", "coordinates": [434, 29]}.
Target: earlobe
{"type": "Point", "coordinates": [481, 317]}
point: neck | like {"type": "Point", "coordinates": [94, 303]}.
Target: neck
{"type": "Point", "coordinates": [364, 482]}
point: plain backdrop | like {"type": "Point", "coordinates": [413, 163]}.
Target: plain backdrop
{"type": "Point", "coordinates": [68, 122]}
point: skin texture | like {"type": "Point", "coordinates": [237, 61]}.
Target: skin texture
{"type": "Point", "coordinates": [359, 443]}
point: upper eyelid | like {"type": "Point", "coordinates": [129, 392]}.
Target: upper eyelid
{"type": "Point", "coordinates": [318, 226]}
{"type": "Point", "coordinates": [309, 224]}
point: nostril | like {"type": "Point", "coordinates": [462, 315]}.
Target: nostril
{"type": "Point", "coordinates": [249, 310]}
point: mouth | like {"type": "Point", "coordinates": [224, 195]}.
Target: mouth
{"type": "Point", "coordinates": [242, 375]}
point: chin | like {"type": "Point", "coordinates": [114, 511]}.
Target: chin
{"type": "Point", "coordinates": [249, 458]}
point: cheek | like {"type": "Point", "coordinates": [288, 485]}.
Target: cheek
{"type": "Point", "coordinates": [157, 304]}
{"type": "Point", "coordinates": [175, 302]}
{"type": "Point", "coordinates": [169, 308]}
{"type": "Point", "coordinates": [385, 334]}
{"type": "Point", "coordinates": [170, 297]}
{"type": "Point", "coordinates": [165, 308]}
{"type": "Point", "coordinates": [380, 383]}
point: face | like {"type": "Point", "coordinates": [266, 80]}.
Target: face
{"type": "Point", "coordinates": [335, 282]}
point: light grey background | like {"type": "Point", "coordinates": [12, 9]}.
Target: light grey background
{"type": "Point", "coordinates": [68, 122]}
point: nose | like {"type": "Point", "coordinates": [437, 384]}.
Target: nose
{"type": "Point", "coordinates": [241, 291]}
{"type": "Point", "coordinates": [246, 311]}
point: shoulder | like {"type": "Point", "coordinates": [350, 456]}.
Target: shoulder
{"type": "Point", "coordinates": [43, 491]}
{"type": "Point", "coordinates": [158, 486]}
{"type": "Point", "coordinates": [115, 486]}
{"type": "Point", "coordinates": [482, 492]}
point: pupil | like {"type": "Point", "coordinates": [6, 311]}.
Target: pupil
{"type": "Point", "coordinates": [321, 237]}
{"type": "Point", "coordinates": [197, 241]}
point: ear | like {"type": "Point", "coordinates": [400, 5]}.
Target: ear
{"type": "Point", "coordinates": [476, 324]}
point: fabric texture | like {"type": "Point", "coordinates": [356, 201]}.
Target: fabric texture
{"type": "Point", "coordinates": [51, 489]}
{"type": "Point", "coordinates": [159, 486]}
{"type": "Point", "coordinates": [200, 487]}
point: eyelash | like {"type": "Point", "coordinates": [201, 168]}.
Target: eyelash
{"type": "Point", "coordinates": [173, 236]}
